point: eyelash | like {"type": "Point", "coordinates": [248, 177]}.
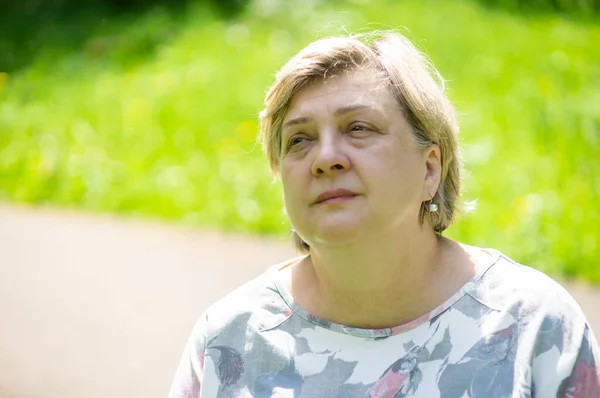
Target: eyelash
{"type": "Point", "coordinates": [363, 128]}
{"type": "Point", "coordinates": [293, 139]}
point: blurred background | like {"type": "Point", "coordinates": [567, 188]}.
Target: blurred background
{"type": "Point", "coordinates": [147, 110]}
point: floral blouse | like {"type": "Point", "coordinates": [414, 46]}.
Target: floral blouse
{"type": "Point", "coordinates": [509, 332]}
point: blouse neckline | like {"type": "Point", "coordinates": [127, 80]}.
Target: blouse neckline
{"type": "Point", "coordinates": [480, 270]}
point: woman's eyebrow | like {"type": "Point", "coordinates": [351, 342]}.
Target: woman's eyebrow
{"type": "Point", "coordinates": [297, 120]}
{"type": "Point", "coordinates": [340, 112]}
{"type": "Point", "coordinates": [351, 108]}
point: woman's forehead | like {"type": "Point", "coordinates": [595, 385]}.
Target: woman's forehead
{"type": "Point", "coordinates": [357, 89]}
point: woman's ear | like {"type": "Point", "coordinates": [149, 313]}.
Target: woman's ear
{"type": "Point", "coordinates": [433, 163]}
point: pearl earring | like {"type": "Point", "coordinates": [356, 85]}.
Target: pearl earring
{"type": "Point", "coordinates": [432, 207]}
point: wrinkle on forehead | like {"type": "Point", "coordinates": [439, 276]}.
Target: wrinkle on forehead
{"type": "Point", "coordinates": [369, 85]}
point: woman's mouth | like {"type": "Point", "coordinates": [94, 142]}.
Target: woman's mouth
{"type": "Point", "coordinates": [335, 196]}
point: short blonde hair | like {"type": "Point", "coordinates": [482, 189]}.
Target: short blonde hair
{"type": "Point", "coordinates": [417, 86]}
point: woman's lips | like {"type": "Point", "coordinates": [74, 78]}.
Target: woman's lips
{"type": "Point", "coordinates": [338, 199]}
{"type": "Point", "coordinates": [335, 196]}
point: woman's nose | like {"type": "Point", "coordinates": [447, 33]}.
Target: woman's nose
{"type": "Point", "coordinates": [329, 159]}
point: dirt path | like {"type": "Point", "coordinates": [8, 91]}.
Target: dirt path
{"type": "Point", "coordinates": [95, 306]}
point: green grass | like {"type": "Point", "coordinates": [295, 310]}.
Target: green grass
{"type": "Point", "coordinates": [156, 116]}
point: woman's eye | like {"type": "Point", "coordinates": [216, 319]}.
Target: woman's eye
{"type": "Point", "coordinates": [360, 128]}
{"type": "Point", "coordinates": [296, 141]}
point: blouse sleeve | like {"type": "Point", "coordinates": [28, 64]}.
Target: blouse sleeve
{"type": "Point", "coordinates": [566, 357]}
{"type": "Point", "coordinates": [584, 378]}
{"type": "Point", "coordinates": [188, 376]}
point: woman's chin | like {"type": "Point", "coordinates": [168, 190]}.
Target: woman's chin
{"type": "Point", "coordinates": [339, 234]}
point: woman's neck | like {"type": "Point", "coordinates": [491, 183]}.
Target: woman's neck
{"type": "Point", "coordinates": [381, 283]}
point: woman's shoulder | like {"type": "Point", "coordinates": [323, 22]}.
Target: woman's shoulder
{"type": "Point", "coordinates": [256, 303]}
{"type": "Point", "coordinates": [509, 285]}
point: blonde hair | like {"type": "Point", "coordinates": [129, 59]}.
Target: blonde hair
{"type": "Point", "coordinates": [416, 85]}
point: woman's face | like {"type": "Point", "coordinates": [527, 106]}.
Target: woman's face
{"type": "Point", "coordinates": [350, 167]}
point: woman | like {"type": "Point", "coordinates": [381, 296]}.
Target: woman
{"type": "Point", "coordinates": [381, 305]}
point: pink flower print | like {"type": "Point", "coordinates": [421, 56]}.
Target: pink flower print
{"type": "Point", "coordinates": [403, 376]}
{"type": "Point", "coordinates": [230, 365]}
{"type": "Point", "coordinates": [584, 382]}
{"type": "Point", "coordinates": [388, 385]}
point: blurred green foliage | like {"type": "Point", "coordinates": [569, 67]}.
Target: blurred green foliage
{"type": "Point", "coordinates": [30, 26]}
{"type": "Point", "coordinates": [571, 8]}
{"type": "Point", "coordinates": [154, 114]}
